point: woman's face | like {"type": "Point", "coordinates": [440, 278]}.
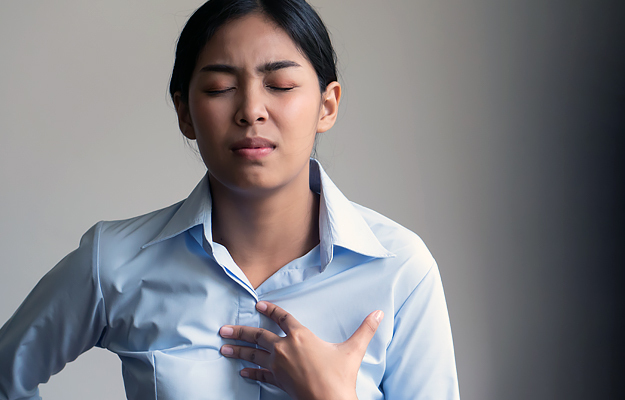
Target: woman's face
{"type": "Point", "coordinates": [255, 107]}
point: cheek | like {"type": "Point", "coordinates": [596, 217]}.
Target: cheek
{"type": "Point", "coordinates": [208, 117]}
{"type": "Point", "coordinates": [298, 124]}
{"type": "Point", "coordinates": [300, 111]}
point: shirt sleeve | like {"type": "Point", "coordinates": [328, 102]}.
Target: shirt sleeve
{"type": "Point", "coordinates": [61, 318]}
{"type": "Point", "coordinates": [420, 358]}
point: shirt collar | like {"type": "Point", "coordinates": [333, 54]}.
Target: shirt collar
{"type": "Point", "coordinates": [195, 210]}
{"type": "Point", "coordinates": [340, 224]}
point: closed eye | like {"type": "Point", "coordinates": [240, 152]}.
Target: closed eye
{"type": "Point", "coordinates": [220, 91]}
{"type": "Point", "coordinates": [281, 88]}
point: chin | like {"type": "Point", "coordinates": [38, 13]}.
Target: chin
{"type": "Point", "coordinates": [245, 184]}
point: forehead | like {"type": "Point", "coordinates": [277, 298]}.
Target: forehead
{"type": "Point", "coordinates": [250, 41]}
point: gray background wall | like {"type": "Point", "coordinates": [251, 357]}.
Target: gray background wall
{"type": "Point", "coordinates": [491, 128]}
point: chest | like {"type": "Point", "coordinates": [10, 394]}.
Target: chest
{"type": "Point", "coordinates": [164, 313]}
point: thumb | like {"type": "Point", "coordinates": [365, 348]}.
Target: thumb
{"type": "Point", "coordinates": [363, 335]}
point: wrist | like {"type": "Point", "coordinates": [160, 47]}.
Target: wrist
{"type": "Point", "coordinates": [334, 395]}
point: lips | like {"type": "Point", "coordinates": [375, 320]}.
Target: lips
{"type": "Point", "coordinates": [252, 143]}
{"type": "Point", "coordinates": [253, 148]}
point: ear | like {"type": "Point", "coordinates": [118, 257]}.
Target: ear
{"type": "Point", "coordinates": [184, 117]}
{"type": "Point", "coordinates": [329, 106]}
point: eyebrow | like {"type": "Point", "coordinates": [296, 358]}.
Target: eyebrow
{"type": "Point", "coordinates": [265, 68]}
{"type": "Point", "coordinates": [276, 65]}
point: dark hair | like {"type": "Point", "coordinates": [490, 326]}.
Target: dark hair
{"type": "Point", "coordinates": [295, 17]}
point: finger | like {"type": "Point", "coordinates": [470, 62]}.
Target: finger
{"type": "Point", "coordinates": [285, 321]}
{"type": "Point", "coordinates": [251, 354]}
{"type": "Point", "coordinates": [261, 375]}
{"type": "Point", "coordinates": [363, 335]}
{"type": "Point", "coordinates": [259, 336]}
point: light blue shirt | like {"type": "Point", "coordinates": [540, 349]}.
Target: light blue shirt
{"type": "Point", "coordinates": [155, 290]}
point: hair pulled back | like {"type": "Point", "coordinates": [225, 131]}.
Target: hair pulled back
{"type": "Point", "coordinates": [296, 17]}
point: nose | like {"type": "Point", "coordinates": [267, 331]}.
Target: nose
{"type": "Point", "coordinates": [252, 108]}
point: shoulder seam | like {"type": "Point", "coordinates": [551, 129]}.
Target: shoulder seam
{"type": "Point", "coordinates": [96, 261]}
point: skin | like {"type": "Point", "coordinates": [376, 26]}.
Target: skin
{"type": "Point", "coordinates": [252, 85]}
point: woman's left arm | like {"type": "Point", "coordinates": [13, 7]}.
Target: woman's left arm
{"type": "Point", "coordinates": [301, 364]}
{"type": "Point", "coordinates": [420, 361]}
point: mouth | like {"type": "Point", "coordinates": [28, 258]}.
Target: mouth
{"type": "Point", "coordinates": [253, 148]}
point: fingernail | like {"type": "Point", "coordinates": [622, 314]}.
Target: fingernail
{"type": "Point", "coordinates": [378, 315]}
{"type": "Point", "coordinates": [227, 350]}
{"type": "Point", "coordinates": [226, 331]}
{"type": "Point", "coordinates": [261, 306]}
{"type": "Point", "coordinates": [245, 374]}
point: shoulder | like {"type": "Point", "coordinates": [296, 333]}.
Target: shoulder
{"type": "Point", "coordinates": [142, 228]}
{"type": "Point", "coordinates": [393, 236]}
{"type": "Point", "coordinates": [411, 261]}
{"type": "Point", "coordinates": [120, 240]}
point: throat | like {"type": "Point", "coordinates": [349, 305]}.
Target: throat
{"type": "Point", "coordinates": [263, 240]}
{"type": "Point", "coordinates": [259, 263]}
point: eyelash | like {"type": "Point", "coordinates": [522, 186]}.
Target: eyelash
{"type": "Point", "coordinates": [275, 88]}
{"type": "Point", "coordinates": [218, 92]}
{"type": "Point", "coordinates": [281, 89]}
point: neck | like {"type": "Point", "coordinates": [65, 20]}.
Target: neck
{"type": "Point", "coordinates": [265, 232]}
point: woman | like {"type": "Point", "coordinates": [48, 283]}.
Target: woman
{"type": "Point", "coordinates": [194, 297]}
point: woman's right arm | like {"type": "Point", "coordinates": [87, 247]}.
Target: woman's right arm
{"type": "Point", "coordinates": [61, 318]}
